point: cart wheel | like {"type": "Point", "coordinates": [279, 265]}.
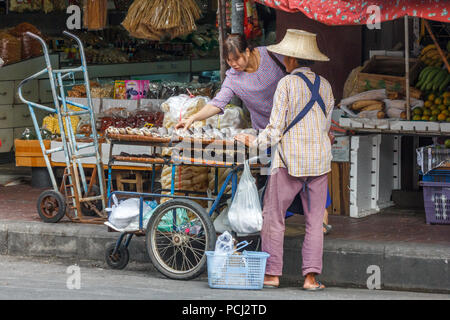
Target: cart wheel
{"type": "Point", "coordinates": [51, 206]}
{"type": "Point", "coordinates": [95, 191]}
{"type": "Point", "coordinates": [177, 250]}
{"type": "Point", "coordinates": [118, 261]}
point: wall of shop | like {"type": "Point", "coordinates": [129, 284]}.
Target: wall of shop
{"type": "Point", "coordinates": [341, 44]}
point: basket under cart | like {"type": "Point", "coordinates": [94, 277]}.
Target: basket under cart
{"type": "Point", "coordinates": [180, 231]}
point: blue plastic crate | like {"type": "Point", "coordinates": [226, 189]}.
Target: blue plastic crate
{"type": "Point", "coordinates": [236, 271]}
{"type": "Point", "coordinates": [437, 176]}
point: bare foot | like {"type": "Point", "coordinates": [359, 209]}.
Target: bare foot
{"type": "Point", "coordinates": [271, 280]}
{"type": "Point", "coordinates": [310, 282]}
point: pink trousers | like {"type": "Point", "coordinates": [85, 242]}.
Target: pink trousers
{"type": "Point", "coordinates": [281, 191]}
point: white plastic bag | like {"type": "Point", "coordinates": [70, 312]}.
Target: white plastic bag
{"type": "Point", "coordinates": [245, 214]}
{"type": "Point", "coordinates": [1, 62]}
{"type": "Point", "coordinates": [123, 213]}
{"type": "Point", "coordinates": [232, 117]}
{"type": "Point", "coordinates": [222, 223]}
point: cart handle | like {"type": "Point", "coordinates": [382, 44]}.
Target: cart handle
{"type": "Point", "coordinates": [240, 246]}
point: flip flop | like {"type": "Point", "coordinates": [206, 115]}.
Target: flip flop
{"type": "Point", "coordinates": [269, 286]}
{"type": "Point", "coordinates": [327, 227]}
{"type": "Point", "coordinates": [318, 288]}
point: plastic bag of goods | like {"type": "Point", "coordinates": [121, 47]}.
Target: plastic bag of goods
{"type": "Point", "coordinates": [232, 117]}
{"type": "Point", "coordinates": [125, 212]}
{"type": "Point", "coordinates": [10, 48]}
{"type": "Point", "coordinates": [182, 107]}
{"type": "Point", "coordinates": [30, 46]}
{"type": "Point", "coordinates": [222, 223]}
{"type": "Point", "coordinates": [245, 213]}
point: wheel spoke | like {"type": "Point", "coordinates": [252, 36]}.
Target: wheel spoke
{"type": "Point", "coordinates": [197, 259]}
{"type": "Point", "coordinates": [162, 233]}
{"type": "Point", "coordinates": [188, 261]}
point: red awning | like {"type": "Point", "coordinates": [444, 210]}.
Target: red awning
{"type": "Point", "coordinates": [341, 12]}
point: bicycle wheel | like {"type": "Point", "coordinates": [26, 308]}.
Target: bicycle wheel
{"type": "Point", "coordinates": [177, 237]}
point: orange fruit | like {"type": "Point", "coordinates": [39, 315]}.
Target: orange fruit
{"type": "Point", "coordinates": [426, 112]}
{"type": "Point", "coordinates": [442, 117]}
{"type": "Point", "coordinates": [435, 112]}
{"type": "Point", "coordinates": [428, 104]}
{"type": "Point", "coordinates": [431, 97]}
{"type": "Point", "coordinates": [416, 117]}
{"type": "Point", "coordinates": [426, 118]}
{"type": "Point", "coordinates": [438, 101]}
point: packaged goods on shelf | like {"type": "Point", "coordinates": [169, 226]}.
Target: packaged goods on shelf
{"type": "Point", "coordinates": [121, 118]}
{"type": "Point", "coordinates": [10, 48]}
{"type": "Point", "coordinates": [22, 6]}
{"type": "Point", "coordinates": [131, 89]}
{"type": "Point", "coordinates": [95, 14]}
{"type": "Point", "coordinates": [30, 47]}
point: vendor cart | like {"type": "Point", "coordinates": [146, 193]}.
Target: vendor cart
{"type": "Point", "coordinates": [81, 198]}
{"type": "Point", "coordinates": [179, 231]}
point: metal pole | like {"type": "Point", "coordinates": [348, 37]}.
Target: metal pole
{"type": "Point", "coordinates": [237, 16]}
{"type": "Point", "coordinates": [222, 27]}
{"type": "Point", "coordinates": [408, 98]}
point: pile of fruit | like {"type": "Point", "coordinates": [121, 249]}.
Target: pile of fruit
{"type": "Point", "coordinates": [430, 55]}
{"type": "Point", "coordinates": [436, 108]}
{"type": "Point", "coordinates": [433, 79]}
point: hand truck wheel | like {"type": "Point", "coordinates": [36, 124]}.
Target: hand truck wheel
{"type": "Point", "coordinates": [51, 206]}
{"type": "Point", "coordinates": [178, 235]}
{"type": "Point", "coordinates": [119, 260]}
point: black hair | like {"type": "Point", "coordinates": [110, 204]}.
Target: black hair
{"type": "Point", "coordinates": [236, 44]}
{"type": "Point", "coordinates": [305, 63]}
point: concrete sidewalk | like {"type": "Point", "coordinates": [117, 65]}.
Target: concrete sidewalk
{"type": "Point", "coordinates": [403, 265]}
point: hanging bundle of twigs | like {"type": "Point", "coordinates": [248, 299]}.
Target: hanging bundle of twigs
{"type": "Point", "coordinates": [154, 19]}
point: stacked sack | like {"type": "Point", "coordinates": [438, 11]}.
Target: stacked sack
{"type": "Point", "coordinates": [222, 175]}
{"type": "Point", "coordinates": [188, 178]}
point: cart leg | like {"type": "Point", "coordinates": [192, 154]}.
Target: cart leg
{"type": "Point", "coordinates": [128, 240]}
{"type": "Point", "coordinates": [118, 243]}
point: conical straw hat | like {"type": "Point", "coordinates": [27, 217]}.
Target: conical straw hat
{"type": "Point", "coordinates": [299, 44]}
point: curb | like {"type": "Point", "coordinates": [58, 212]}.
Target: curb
{"type": "Point", "coordinates": [402, 266]}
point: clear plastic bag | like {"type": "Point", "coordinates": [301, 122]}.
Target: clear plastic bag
{"type": "Point", "coordinates": [245, 214]}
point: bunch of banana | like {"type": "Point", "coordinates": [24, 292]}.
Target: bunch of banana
{"type": "Point", "coordinates": [433, 79]}
{"type": "Point", "coordinates": [431, 57]}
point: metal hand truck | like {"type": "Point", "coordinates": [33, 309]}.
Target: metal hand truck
{"type": "Point", "coordinates": [78, 196]}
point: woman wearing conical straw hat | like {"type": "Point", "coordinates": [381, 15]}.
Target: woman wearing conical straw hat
{"type": "Point", "coordinates": [298, 130]}
{"type": "Point", "coordinates": [253, 77]}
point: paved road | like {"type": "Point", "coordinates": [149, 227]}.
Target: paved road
{"type": "Point", "coordinates": [29, 279]}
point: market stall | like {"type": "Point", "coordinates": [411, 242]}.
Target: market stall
{"type": "Point", "coordinates": [389, 97]}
